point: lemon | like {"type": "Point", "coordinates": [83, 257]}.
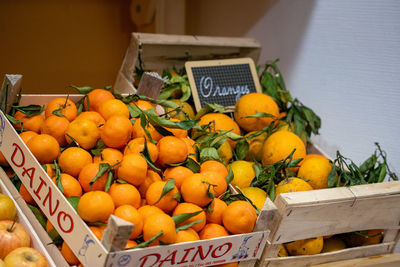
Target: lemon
{"type": "Point", "coordinates": [310, 246]}
{"type": "Point", "coordinates": [186, 108]}
{"type": "Point", "coordinates": [243, 173]}
{"type": "Point", "coordinates": [225, 152]}
{"type": "Point", "coordinates": [256, 147]}
{"type": "Point", "coordinates": [292, 184]}
{"type": "Point", "coordinates": [256, 195]}
{"type": "Point", "coordinates": [315, 171]}
{"type": "Point", "coordinates": [282, 251]}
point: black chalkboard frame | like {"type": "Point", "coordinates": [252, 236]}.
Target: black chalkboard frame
{"type": "Point", "coordinates": [252, 76]}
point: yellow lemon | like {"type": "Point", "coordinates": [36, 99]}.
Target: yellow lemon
{"type": "Point", "coordinates": [310, 246]}
{"type": "Point", "coordinates": [292, 184]}
{"type": "Point", "coordinates": [315, 171]}
{"type": "Point", "coordinates": [256, 195]}
{"type": "Point", "coordinates": [243, 173]}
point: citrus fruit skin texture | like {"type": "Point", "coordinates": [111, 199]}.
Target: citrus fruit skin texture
{"type": "Point", "coordinates": [84, 132]}
{"type": "Point", "coordinates": [95, 206]}
{"type": "Point", "coordinates": [310, 246]}
{"type": "Point", "coordinates": [243, 173]}
{"type": "Point", "coordinates": [95, 98]}
{"type": "Point", "coordinates": [256, 147]}
{"type": "Point", "coordinates": [252, 103]}
{"type": "Point", "coordinates": [292, 184]}
{"type": "Point", "coordinates": [279, 145]}
{"type": "Point", "coordinates": [316, 171]}
{"type": "Point", "coordinates": [44, 147]}
{"type": "Point", "coordinates": [256, 195]}
{"type": "Point", "coordinates": [239, 217]}
{"type": "Point", "coordinates": [160, 222]}
{"type": "Point", "coordinates": [219, 122]}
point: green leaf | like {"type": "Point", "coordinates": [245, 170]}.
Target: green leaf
{"type": "Point", "coordinates": [368, 164]}
{"type": "Point", "coordinates": [146, 154]}
{"type": "Point", "coordinates": [54, 235]}
{"type": "Point", "coordinates": [242, 148]}
{"type": "Point", "coordinates": [230, 135]}
{"type": "Point", "coordinates": [103, 168]}
{"type": "Point", "coordinates": [99, 148]}
{"type": "Point", "coordinates": [164, 103]}
{"type": "Point", "coordinates": [169, 185]}
{"type": "Point", "coordinates": [84, 90]}
{"type": "Point", "coordinates": [260, 115]}
{"type": "Point", "coordinates": [192, 165]}
{"type": "Point", "coordinates": [38, 215]}
{"type": "Point", "coordinates": [74, 202]}
{"type": "Point", "coordinates": [110, 179]}
{"type": "Point", "coordinates": [148, 242]}
{"type": "Point", "coordinates": [180, 218]}
{"type": "Point", "coordinates": [134, 111]}
{"type": "Point", "coordinates": [58, 177]}
{"type": "Point", "coordinates": [332, 176]}
{"type": "Point", "coordinates": [229, 178]}
{"type": "Point", "coordinates": [209, 153]}
{"type": "Point", "coordinates": [96, 224]}
{"type": "Point", "coordinates": [13, 120]}
{"type": "Point", "coordinates": [29, 110]}
{"type": "Point", "coordinates": [186, 226]}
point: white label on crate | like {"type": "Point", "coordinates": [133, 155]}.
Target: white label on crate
{"type": "Point", "coordinates": [49, 199]}
{"type": "Point", "coordinates": [192, 254]}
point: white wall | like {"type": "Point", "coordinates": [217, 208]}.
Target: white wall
{"type": "Point", "coordinates": [341, 58]}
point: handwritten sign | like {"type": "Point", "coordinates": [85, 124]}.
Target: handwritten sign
{"type": "Point", "coordinates": [221, 82]}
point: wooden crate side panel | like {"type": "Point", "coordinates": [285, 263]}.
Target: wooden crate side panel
{"type": "Point", "coordinates": [345, 214]}
{"type": "Point", "coordinates": [387, 260]}
{"type": "Point", "coordinates": [350, 253]}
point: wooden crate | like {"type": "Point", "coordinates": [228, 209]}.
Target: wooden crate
{"type": "Point", "coordinates": [40, 240]}
{"type": "Point", "coordinates": [92, 252]}
{"type": "Point", "coordinates": [308, 214]}
{"type": "Point", "coordinates": [159, 51]}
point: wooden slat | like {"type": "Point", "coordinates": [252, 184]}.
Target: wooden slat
{"type": "Point", "coordinates": [387, 260]}
{"type": "Point", "coordinates": [358, 208]}
{"type": "Point", "coordinates": [350, 253]}
{"type": "Point", "coordinates": [160, 51]}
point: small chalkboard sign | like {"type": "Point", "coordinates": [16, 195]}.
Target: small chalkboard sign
{"type": "Point", "coordinates": [221, 82]}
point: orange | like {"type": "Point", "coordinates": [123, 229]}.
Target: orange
{"type": "Point", "coordinates": [239, 217]}
{"type": "Point", "coordinates": [142, 104]}
{"type": "Point", "coordinates": [95, 206]}
{"type": "Point", "coordinates": [186, 111]}
{"type": "Point", "coordinates": [147, 210]}
{"type": "Point", "coordinates": [212, 230]}
{"type": "Point", "coordinates": [194, 190]}
{"type": "Point", "coordinates": [171, 150]}
{"type": "Point", "coordinates": [292, 184]}
{"type": "Point", "coordinates": [181, 133]}
{"type": "Point", "coordinates": [213, 165]}
{"type": "Point", "coordinates": [125, 194]}
{"type": "Point", "coordinates": [63, 106]}
{"type": "Point", "coordinates": [139, 132]}
{"type": "Point", "coordinates": [73, 159]}
{"type": "Point", "coordinates": [116, 132]}
{"type": "Point", "coordinates": [97, 231]}
{"type": "Point", "coordinates": [113, 107]}
{"type": "Point", "coordinates": [136, 145]}
{"type": "Point", "coordinates": [190, 208]}
{"type": "Point", "coordinates": [56, 126]}
{"type": "Point", "coordinates": [279, 145]}
{"type": "Point", "coordinates": [130, 244]}
{"type": "Point", "coordinates": [315, 171]}
{"type": "Point", "coordinates": [216, 208]}
{"type": "Point", "coordinates": [3, 161]}
{"type": "Point", "coordinates": [49, 170]}
{"type": "Point", "coordinates": [84, 132]}
{"type": "Point", "coordinates": [151, 177]}
{"type": "Point", "coordinates": [308, 156]}
{"type": "Point", "coordinates": [87, 174]}
{"type": "Point", "coordinates": [44, 147]}
{"type": "Point", "coordinates": [26, 136]}
{"type": "Point", "coordinates": [255, 146]}
{"type": "Point", "coordinates": [49, 226]}
{"type": "Point", "coordinates": [217, 180]}
{"type": "Point", "coordinates": [168, 202]}
{"type": "Point", "coordinates": [187, 235]}
{"type": "Point", "coordinates": [256, 195]}
{"type": "Point", "coordinates": [29, 123]}
{"type": "Point", "coordinates": [68, 255]}
{"type": "Point", "coordinates": [72, 187]}
{"type": "Point", "coordinates": [191, 146]}
{"type": "Point", "coordinates": [156, 223]}
{"type": "Point", "coordinates": [92, 116]}
{"type": "Point", "coordinates": [95, 98]}
{"type": "Point", "coordinates": [179, 173]}
{"type": "Point", "coordinates": [310, 246]}
{"type": "Point", "coordinates": [133, 169]}
{"type": "Point", "coordinates": [219, 122]}
{"type": "Point", "coordinates": [109, 155]}
{"type": "Point", "coordinates": [129, 213]}
{"type": "Point", "coordinates": [252, 103]}
{"type": "Point", "coordinates": [26, 195]}
{"type": "Point", "coordinates": [333, 244]}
